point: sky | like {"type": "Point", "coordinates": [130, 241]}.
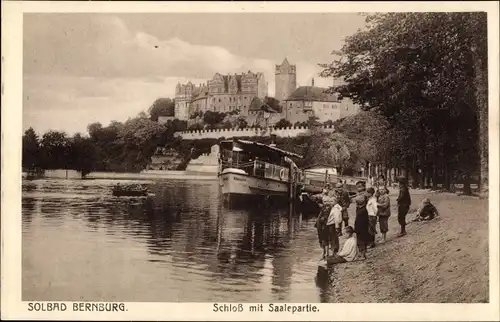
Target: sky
{"type": "Point", "coordinates": [80, 68]}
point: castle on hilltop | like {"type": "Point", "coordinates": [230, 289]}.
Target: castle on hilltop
{"type": "Point", "coordinates": [246, 92]}
{"type": "Point", "coordinates": [223, 93]}
{"type": "Point", "coordinates": [226, 93]}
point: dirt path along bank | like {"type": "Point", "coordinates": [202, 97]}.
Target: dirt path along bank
{"type": "Point", "coordinates": [441, 261]}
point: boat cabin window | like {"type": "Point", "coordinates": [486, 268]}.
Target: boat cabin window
{"type": "Point", "coordinates": [256, 162]}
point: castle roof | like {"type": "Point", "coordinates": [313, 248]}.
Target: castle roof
{"type": "Point", "coordinates": [312, 93]}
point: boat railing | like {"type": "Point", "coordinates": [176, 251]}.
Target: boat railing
{"type": "Point", "coordinates": [260, 169]}
{"type": "Point", "coordinates": [314, 178]}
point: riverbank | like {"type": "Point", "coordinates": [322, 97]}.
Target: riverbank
{"type": "Point", "coordinates": [444, 260]}
{"type": "Point", "coordinates": [153, 175]}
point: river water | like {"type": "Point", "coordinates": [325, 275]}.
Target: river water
{"type": "Point", "coordinates": [81, 243]}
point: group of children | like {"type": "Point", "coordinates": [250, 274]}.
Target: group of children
{"type": "Point", "coordinates": [372, 206]}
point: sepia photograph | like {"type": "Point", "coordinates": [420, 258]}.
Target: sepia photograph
{"type": "Point", "coordinates": [255, 157]}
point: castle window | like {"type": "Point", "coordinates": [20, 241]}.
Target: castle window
{"type": "Point", "coordinates": [219, 100]}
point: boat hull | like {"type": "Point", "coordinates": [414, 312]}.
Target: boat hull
{"type": "Point", "coordinates": [245, 185]}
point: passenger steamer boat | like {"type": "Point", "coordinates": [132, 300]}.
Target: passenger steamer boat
{"type": "Point", "coordinates": [249, 169]}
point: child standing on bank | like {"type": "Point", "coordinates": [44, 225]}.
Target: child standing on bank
{"type": "Point", "coordinates": [335, 223]}
{"type": "Point", "coordinates": [384, 211]}
{"type": "Point", "coordinates": [361, 224]}
{"type": "Point", "coordinates": [372, 208]}
{"type": "Point", "coordinates": [404, 203]}
{"type": "Point", "coordinates": [322, 225]}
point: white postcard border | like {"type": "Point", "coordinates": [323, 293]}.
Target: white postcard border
{"type": "Point", "coordinates": [13, 308]}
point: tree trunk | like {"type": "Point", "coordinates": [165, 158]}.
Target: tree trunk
{"type": "Point", "coordinates": [481, 81]}
{"type": "Point", "coordinates": [467, 190]}
{"type": "Point", "coordinates": [422, 172]}
{"type": "Point", "coordinates": [434, 176]}
{"type": "Point", "coordinates": [430, 175]}
{"type": "Point", "coordinates": [446, 179]}
{"type": "Point", "coordinates": [414, 174]}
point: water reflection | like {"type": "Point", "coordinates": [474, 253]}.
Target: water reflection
{"type": "Point", "coordinates": [181, 239]}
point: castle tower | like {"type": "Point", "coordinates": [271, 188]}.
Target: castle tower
{"type": "Point", "coordinates": [183, 96]}
{"type": "Point", "coordinates": [285, 80]}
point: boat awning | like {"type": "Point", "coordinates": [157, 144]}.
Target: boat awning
{"type": "Point", "coordinates": [264, 147]}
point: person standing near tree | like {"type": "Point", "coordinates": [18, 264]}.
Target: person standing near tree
{"type": "Point", "coordinates": [334, 222]}
{"type": "Point", "coordinates": [372, 209]}
{"type": "Point", "coordinates": [384, 211]}
{"type": "Point", "coordinates": [381, 182]}
{"type": "Point", "coordinates": [361, 224]}
{"type": "Point", "coordinates": [404, 203]}
{"type": "Point", "coordinates": [344, 201]}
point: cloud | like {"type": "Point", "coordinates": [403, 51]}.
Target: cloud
{"type": "Point", "coordinates": [86, 68]}
{"type": "Point", "coordinates": [102, 46]}
{"type": "Point", "coordinates": [70, 103]}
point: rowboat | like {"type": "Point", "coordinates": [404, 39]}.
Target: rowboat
{"type": "Point", "coordinates": [129, 191]}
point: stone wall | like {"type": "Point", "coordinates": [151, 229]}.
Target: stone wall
{"type": "Point", "coordinates": [62, 174]}
{"type": "Point", "coordinates": [207, 162]}
{"type": "Point", "coordinates": [248, 132]}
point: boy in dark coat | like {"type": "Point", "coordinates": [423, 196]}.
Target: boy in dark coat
{"type": "Point", "coordinates": [404, 202]}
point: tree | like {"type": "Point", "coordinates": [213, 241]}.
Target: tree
{"type": "Point", "coordinates": [233, 112]}
{"type": "Point", "coordinates": [241, 123]}
{"type": "Point", "coordinates": [329, 148]}
{"type": "Point", "coordinates": [31, 149]}
{"type": "Point", "coordinates": [82, 154]}
{"type": "Point", "coordinates": [273, 103]}
{"type": "Point", "coordinates": [161, 107]}
{"type": "Point", "coordinates": [138, 139]}
{"type": "Point", "coordinates": [329, 123]}
{"type": "Point", "coordinates": [196, 127]}
{"type": "Point", "coordinates": [282, 123]}
{"type": "Point", "coordinates": [312, 122]}
{"type": "Point", "coordinates": [418, 71]}
{"type": "Point", "coordinates": [213, 118]}
{"type": "Point", "coordinates": [369, 129]}
{"type": "Point", "coordinates": [54, 150]}
{"type": "Point", "coordinates": [226, 125]}
{"type": "Point", "coordinates": [196, 114]}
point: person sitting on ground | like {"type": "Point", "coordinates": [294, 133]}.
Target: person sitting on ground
{"type": "Point", "coordinates": [427, 211]}
{"type": "Point", "coordinates": [349, 250]}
